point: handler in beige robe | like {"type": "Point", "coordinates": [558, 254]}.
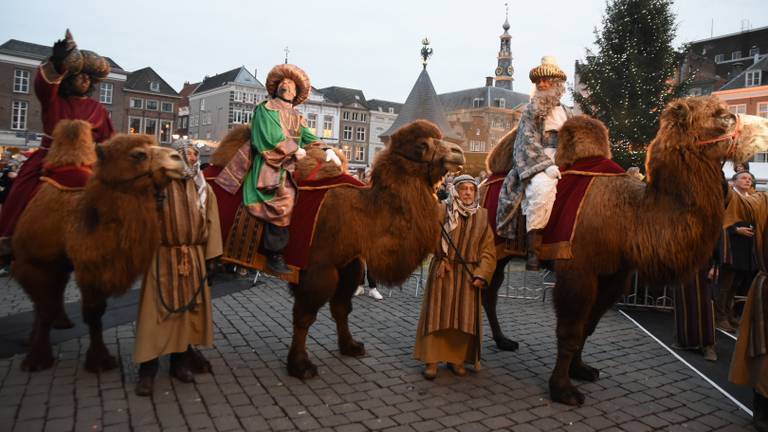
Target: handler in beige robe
{"type": "Point", "coordinates": [749, 365]}
{"type": "Point", "coordinates": [175, 310]}
{"type": "Point", "coordinates": [449, 327]}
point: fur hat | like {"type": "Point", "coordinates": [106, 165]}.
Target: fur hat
{"type": "Point", "coordinates": [96, 66]}
{"type": "Point", "coordinates": [299, 77]}
{"type": "Point", "coordinates": [548, 69]}
{"type": "Point", "coordinates": [464, 178]}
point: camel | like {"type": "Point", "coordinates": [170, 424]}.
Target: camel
{"type": "Point", "coordinates": [498, 163]}
{"type": "Point", "coordinates": [107, 231]}
{"type": "Point", "coordinates": [664, 228]}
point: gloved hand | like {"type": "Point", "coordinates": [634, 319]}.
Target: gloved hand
{"type": "Point", "coordinates": [553, 172]}
{"type": "Point", "coordinates": [300, 153]}
{"type": "Point", "coordinates": [60, 51]}
{"type": "Point", "coordinates": [331, 155]}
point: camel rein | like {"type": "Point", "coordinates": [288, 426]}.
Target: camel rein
{"type": "Point", "coordinates": [429, 163]}
{"type": "Point", "coordinates": [733, 136]}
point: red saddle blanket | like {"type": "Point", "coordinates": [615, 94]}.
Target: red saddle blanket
{"type": "Point", "coordinates": [68, 178]}
{"type": "Point", "coordinates": [305, 212]}
{"type": "Point", "coordinates": [228, 202]}
{"type": "Point", "coordinates": [491, 202]}
{"type": "Point", "coordinates": [571, 190]}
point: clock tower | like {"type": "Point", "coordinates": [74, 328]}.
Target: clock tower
{"type": "Point", "coordinates": [504, 69]}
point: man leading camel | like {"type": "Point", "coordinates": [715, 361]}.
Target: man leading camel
{"type": "Point", "coordinates": [279, 134]}
{"type": "Point", "coordinates": [532, 182]}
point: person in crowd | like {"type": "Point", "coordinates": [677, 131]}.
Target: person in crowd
{"type": "Point", "coordinates": [175, 312]}
{"type": "Point", "coordinates": [532, 183]}
{"type": "Point", "coordinates": [450, 322]}
{"type": "Point", "coordinates": [372, 289]}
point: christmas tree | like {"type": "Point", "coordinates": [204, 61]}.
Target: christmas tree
{"type": "Point", "coordinates": [632, 77]}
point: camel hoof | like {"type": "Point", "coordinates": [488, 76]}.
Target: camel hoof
{"type": "Point", "coordinates": [506, 344]}
{"type": "Point", "coordinates": [566, 395]}
{"type": "Point", "coordinates": [99, 361]}
{"type": "Point", "coordinates": [34, 363]}
{"type": "Point", "coordinates": [584, 373]}
{"type": "Point", "coordinates": [302, 370]}
{"type": "Point", "coordinates": [353, 349]}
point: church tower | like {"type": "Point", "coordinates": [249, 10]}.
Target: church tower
{"type": "Point", "coordinates": [504, 69]}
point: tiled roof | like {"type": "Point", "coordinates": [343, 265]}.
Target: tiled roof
{"type": "Point", "coordinates": [740, 80]}
{"type": "Point", "coordinates": [142, 79]}
{"type": "Point", "coordinates": [345, 96]}
{"type": "Point", "coordinates": [38, 52]}
{"type": "Point", "coordinates": [464, 99]}
{"type": "Point", "coordinates": [423, 103]}
{"type": "Point", "coordinates": [219, 80]}
{"type": "Point", "coordinates": [384, 106]}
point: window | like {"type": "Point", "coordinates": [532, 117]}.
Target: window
{"type": "Point", "coordinates": [134, 125]}
{"type": "Point", "coordinates": [249, 97]}
{"type": "Point", "coordinates": [476, 146]}
{"type": "Point", "coordinates": [165, 131]}
{"type": "Point", "coordinates": [327, 126]}
{"type": "Point", "coordinates": [247, 116]}
{"type": "Point", "coordinates": [19, 115]}
{"type": "Point", "coordinates": [363, 117]}
{"type": "Point", "coordinates": [355, 116]}
{"type": "Point", "coordinates": [345, 115]}
{"type": "Point", "coordinates": [696, 91]}
{"type": "Point", "coordinates": [208, 117]}
{"type": "Point", "coordinates": [501, 102]}
{"type": "Point", "coordinates": [105, 93]}
{"type": "Point", "coordinates": [312, 123]}
{"type": "Point", "coordinates": [347, 151]}
{"type": "Point", "coordinates": [347, 133]}
{"type": "Point", "coordinates": [391, 110]}
{"type": "Point", "coordinates": [202, 105]}
{"type": "Point", "coordinates": [238, 96]}
{"type": "Point", "coordinates": [735, 55]}
{"type": "Point", "coordinates": [20, 81]}
{"type": "Point", "coordinates": [754, 51]}
{"type": "Point", "coordinates": [154, 86]}
{"type": "Point", "coordinates": [237, 116]}
{"type": "Point", "coordinates": [476, 102]}
{"type": "Point", "coordinates": [150, 126]}
{"type": "Point", "coordinates": [193, 120]}
{"type": "Point", "coordinates": [166, 107]}
{"type": "Point", "coordinates": [360, 134]}
{"type": "Point", "coordinates": [719, 58]}
{"type": "Point", "coordinates": [738, 109]}
{"type": "Point", "coordinates": [359, 153]}
{"type": "Point", "coordinates": [753, 78]}
{"type": "Point", "coordinates": [152, 104]}
{"type": "Point", "coordinates": [137, 103]}
{"type": "Point", "coordinates": [762, 109]}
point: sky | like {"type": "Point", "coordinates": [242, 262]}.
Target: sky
{"type": "Point", "coordinates": [370, 45]}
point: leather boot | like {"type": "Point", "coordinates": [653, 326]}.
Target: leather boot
{"type": "Point", "coordinates": [534, 240]}
{"type": "Point", "coordinates": [276, 263]}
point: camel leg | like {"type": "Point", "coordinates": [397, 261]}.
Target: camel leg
{"type": "Point", "coordinates": [315, 288]}
{"type": "Point", "coordinates": [46, 290]}
{"type": "Point", "coordinates": [574, 296]}
{"type": "Point", "coordinates": [490, 299]}
{"type": "Point", "coordinates": [97, 357]}
{"type": "Point", "coordinates": [341, 307]}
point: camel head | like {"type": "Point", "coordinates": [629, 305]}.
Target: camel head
{"type": "Point", "coordinates": [72, 145]}
{"type": "Point", "coordinates": [500, 160]}
{"type": "Point", "coordinates": [582, 137]}
{"type": "Point", "coordinates": [421, 146]}
{"type": "Point", "coordinates": [137, 162]}
{"type": "Point", "coordinates": [705, 124]}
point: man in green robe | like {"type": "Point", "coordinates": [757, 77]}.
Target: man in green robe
{"type": "Point", "coordinates": [279, 134]}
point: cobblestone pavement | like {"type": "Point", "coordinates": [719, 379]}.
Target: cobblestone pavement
{"type": "Point", "coordinates": [642, 386]}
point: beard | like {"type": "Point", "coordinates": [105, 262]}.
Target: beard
{"type": "Point", "coordinates": [545, 100]}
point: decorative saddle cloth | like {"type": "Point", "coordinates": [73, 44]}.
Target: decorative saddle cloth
{"type": "Point", "coordinates": [571, 190]}
{"type": "Point", "coordinates": [489, 199]}
{"type": "Point", "coordinates": [244, 246]}
{"type": "Point", "coordinates": [67, 178]}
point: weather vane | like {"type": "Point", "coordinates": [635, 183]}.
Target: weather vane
{"type": "Point", "coordinates": [426, 52]}
{"type": "Point", "coordinates": [286, 54]}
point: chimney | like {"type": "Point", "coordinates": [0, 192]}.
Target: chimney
{"type": "Point", "coordinates": [489, 81]}
{"type": "Point", "coordinates": [255, 70]}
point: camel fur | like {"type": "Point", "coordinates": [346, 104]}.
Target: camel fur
{"type": "Point", "coordinates": [107, 232]}
{"type": "Point", "coordinates": [392, 226]}
{"type": "Point", "coordinates": [664, 228]}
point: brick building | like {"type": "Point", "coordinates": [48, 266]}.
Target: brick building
{"type": "Point", "coordinates": [151, 105]}
{"type": "Point", "coordinates": [354, 124]}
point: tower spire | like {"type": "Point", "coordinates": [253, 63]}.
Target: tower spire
{"type": "Point", "coordinates": [504, 69]}
{"type": "Point", "coordinates": [426, 52]}
{"type": "Point", "coordinates": [506, 19]}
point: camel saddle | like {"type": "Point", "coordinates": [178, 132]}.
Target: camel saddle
{"type": "Point", "coordinates": [244, 242]}
{"type": "Point", "coordinates": [489, 199]}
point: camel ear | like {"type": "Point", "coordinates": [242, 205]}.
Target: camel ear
{"type": "Point", "coordinates": [680, 115]}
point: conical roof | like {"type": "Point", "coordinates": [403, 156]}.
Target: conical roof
{"type": "Point", "coordinates": [423, 104]}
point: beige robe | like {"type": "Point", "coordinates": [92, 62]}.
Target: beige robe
{"type": "Point", "coordinates": [747, 368]}
{"type": "Point", "coordinates": [191, 234]}
{"type": "Point", "coordinates": [451, 308]}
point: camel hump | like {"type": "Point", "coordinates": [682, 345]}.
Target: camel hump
{"type": "Point", "coordinates": [582, 137]}
{"type": "Point", "coordinates": [500, 160]}
{"type": "Point", "coordinates": [72, 145]}
{"type": "Point", "coordinates": [229, 145]}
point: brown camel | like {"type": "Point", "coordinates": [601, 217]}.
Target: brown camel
{"type": "Point", "coordinates": [107, 231]}
{"type": "Point", "coordinates": [664, 228]}
{"type": "Point", "coordinates": [392, 226]}
{"type": "Point", "coordinates": [498, 163]}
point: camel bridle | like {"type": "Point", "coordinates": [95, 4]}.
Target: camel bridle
{"type": "Point", "coordinates": [733, 136]}
{"type": "Point", "coordinates": [430, 163]}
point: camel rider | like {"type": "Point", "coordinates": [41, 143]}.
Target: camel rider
{"type": "Point", "coordinates": [532, 183]}
{"type": "Point", "coordinates": [279, 134]}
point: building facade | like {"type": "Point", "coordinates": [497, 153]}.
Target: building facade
{"type": "Point", "coordinates": [222, 101]}
{"type": "Point", "coordinates": [322, 116]}
{"type": "Point", "coordinates": [354, 126]}
{"type": "Point", "coordinates": [382, 116]}
{"type": "Point", "coordinates": [152, 105]}
{"type": "Point", "coordinates": [182, 111]}
{"type": "Point", "coordinates": [20, 111]}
